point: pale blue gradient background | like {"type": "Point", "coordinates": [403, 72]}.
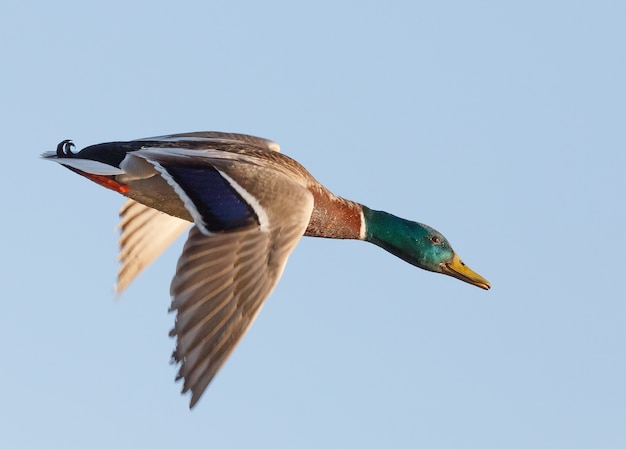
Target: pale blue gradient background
{"type": "Point", "coordinates": [502, 124]}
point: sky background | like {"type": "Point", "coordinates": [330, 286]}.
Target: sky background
{"type": "Point", "coordinates": [501, 124]}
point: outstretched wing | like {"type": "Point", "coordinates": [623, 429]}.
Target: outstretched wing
{"type": "Point", "coordinates": [248, 218]}
{"type": "Point", "coordinates": [219, 288]}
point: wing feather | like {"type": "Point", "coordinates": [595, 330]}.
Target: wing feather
{"type": "Point", "coordinates": [220, 285]}
{"type": "Point", "coordinates": [145, 234]}
{"type": "Point", "coordinates": [216, 139]}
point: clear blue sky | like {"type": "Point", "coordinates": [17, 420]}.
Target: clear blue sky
{"type": "Point", "coordinates": [499, 123]}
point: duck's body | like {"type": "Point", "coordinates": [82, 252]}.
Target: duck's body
{"type": "Point", "coordinates": [250, 205]}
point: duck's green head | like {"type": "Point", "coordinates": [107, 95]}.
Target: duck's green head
{"type": "Point", "coordinates": [419, 245]}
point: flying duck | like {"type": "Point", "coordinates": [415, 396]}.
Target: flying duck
{"type": "Point", "coordinates": [248, 205]}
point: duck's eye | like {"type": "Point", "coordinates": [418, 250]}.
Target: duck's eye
{"type": "Point", "coordinates": [435, 239]}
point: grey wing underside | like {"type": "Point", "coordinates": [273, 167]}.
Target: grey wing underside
{"type": "Point", "coordinates": [144, 234]}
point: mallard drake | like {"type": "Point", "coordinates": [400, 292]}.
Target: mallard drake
{"type": "Point", "coordinates": [249, 205]}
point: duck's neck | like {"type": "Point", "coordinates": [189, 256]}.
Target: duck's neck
{"type": "Point", "coordinates": [335, 217]}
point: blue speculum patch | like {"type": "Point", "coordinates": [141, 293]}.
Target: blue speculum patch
{"type": "Point", "coordinates": [221, 207]}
